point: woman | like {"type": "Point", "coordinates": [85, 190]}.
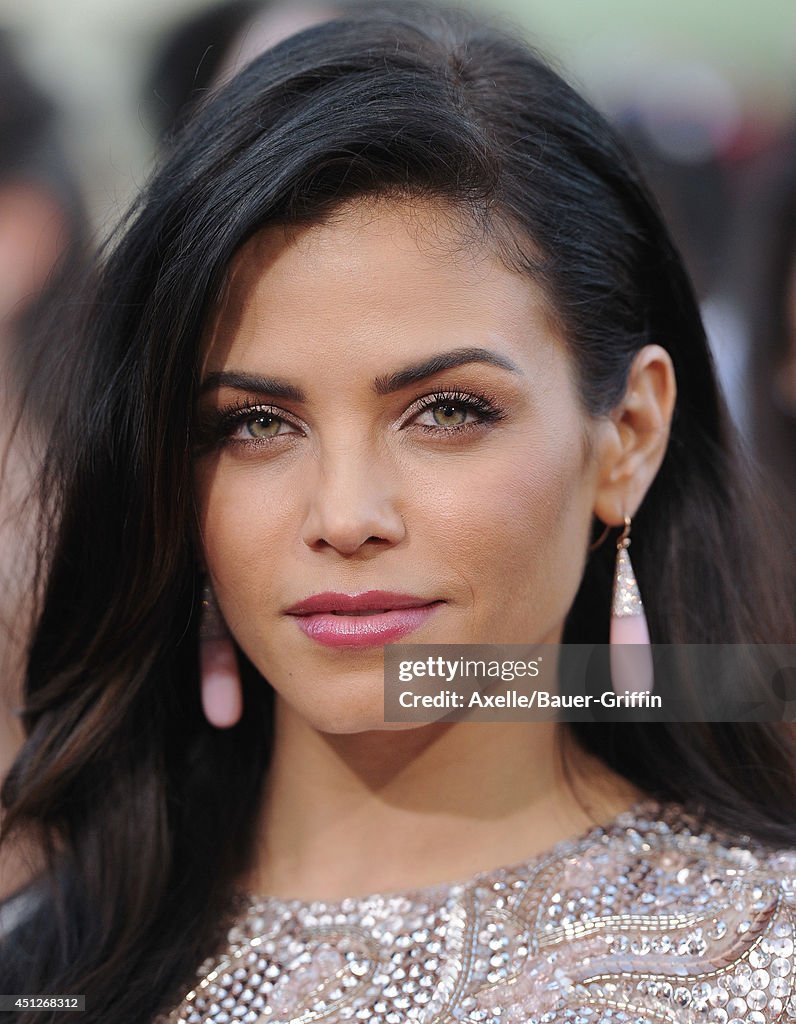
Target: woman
{"type": "Point", "coordinates": [396, 324]}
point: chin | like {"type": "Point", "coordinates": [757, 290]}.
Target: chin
{"type": "Point", "coordinates": [340, 700]}
{"type": "Point", "coordinates": [346, 719]}
{"type": "Point", "coordinates": [347, 728]}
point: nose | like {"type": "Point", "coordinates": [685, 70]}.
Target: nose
{"type": "Point", "coordinates": [353, 502]}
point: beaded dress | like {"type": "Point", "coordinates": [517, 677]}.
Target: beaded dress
{"type": "Point", "coordinates": [653, 917]}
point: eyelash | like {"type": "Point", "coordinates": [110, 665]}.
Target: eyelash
{"type": "Point", "coordinates": [225, 421]}
{"type": "Point", "coordinates": [486, 407]}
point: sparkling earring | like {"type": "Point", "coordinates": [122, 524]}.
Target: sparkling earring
{"type": "Point", "coordinates": [630, 655]}
{"type": "Point", "coordinates": [222, 696]}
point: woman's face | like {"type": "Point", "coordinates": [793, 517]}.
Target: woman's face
{"type": "Point", "coordinates": [386, 409]}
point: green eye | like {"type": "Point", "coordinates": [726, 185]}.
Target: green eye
{"type": "Point", "coordinates": [453, 412]}
{"type": "Point", "coordinates": [449, 414]}
{"type": "Point", "coordinates": [264, 425]}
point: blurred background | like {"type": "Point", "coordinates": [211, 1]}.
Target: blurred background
{"type": "Point", "coordinates": [728, 67]}
{"type": "Point", "coordinates": [703, 90]}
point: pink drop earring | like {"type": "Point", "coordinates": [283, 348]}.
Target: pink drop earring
{"type": "Point", "coordinates": [631, 654]}
{"type": "Point", "coordinates": [221, 691]}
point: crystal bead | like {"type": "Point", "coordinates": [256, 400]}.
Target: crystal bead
{"type": "Point", "coordinates": [639, 914]}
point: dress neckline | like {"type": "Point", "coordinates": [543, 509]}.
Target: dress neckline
{"type": "Point", "coordinates": [646, 808]}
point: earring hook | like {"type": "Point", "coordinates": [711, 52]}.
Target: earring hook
{"type": "Point", "coordinates": [622, 541]}
{"type": "Point", "coordinates": [600, 539]}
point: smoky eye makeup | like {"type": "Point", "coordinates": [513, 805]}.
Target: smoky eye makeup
{"type": "Point", "coordinates": [448, 410]}
{"type": "Point", "coordinates": [218, 425]}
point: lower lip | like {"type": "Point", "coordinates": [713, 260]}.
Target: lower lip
{"type": "Point", "coordinates": [364, 630]}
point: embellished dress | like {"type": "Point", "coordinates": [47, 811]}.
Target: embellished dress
{"type": "Point", "coordinates": [654, 917]}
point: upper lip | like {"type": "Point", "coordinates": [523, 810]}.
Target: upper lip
{"type": "Point", "coordinates": [378, 600]}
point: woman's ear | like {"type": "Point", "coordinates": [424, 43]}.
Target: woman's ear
{"type": "Point", "coordinates": [634, 441]}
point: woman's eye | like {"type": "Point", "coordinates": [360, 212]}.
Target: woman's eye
{"type": "Point", "coordinates": [449, 414]}
{"type": "Point", "coordinates": [263, 425]}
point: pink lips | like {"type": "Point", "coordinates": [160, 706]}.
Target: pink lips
{"type": "Point", "coordinates": [375, 617]}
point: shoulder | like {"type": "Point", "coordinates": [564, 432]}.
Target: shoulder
{"type": "Point", "coordinates": [659, 919]}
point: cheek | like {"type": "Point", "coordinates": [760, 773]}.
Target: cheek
{"type": "Point", "coordinates": [514, 542]}
{"type": "Point", "coordinates": [244, 519]}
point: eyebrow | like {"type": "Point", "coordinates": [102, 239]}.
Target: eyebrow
{"type": "Point", "coordinates": [252, 382]}
{"type": "Point", "coordinates": [385, 384]}
{"type": "Point", "coordinates": [391, 382]}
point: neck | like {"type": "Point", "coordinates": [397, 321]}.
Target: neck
{"type": "Point", "coordinates": [386, 811]}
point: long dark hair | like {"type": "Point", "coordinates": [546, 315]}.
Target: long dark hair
{"type": "Point", "coordinates": [145, 811]}
{"type": "Point", "coordinates": [769, 270]}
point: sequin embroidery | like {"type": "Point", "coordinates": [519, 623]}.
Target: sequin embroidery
{"type": "Point", "coordinates": [652, 918]}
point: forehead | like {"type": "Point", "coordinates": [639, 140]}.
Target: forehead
{"type": "Point", "coordinates": [376, 273]}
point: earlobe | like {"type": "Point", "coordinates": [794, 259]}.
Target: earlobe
{"type": "Point", "coordinates": [637, 436]}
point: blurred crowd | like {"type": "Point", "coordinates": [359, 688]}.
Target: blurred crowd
{"type": "Point", "coordinates": [725, 178]}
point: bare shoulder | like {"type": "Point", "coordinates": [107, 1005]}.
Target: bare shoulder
{"type": "Point", "coordinates": [659, 918]}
